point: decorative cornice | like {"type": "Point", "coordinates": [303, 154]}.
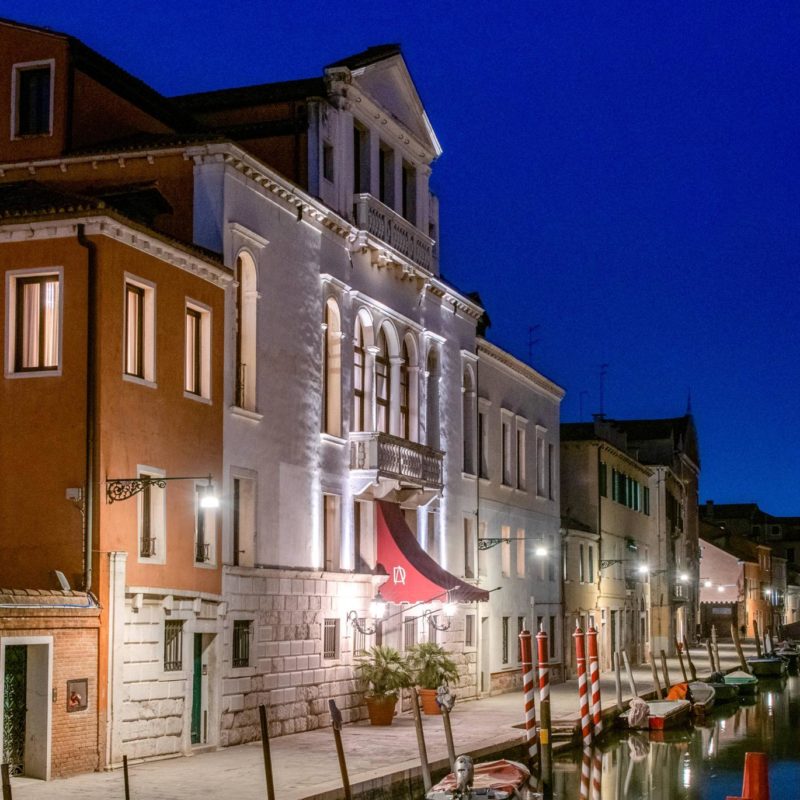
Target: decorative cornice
{"type": "Point", "coordinates": [104, 225]}
{"type": "Point", "coordinates": [523, 370]}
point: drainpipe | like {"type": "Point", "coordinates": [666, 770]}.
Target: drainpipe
{"type": "Point", "coordinates": [91, 385]}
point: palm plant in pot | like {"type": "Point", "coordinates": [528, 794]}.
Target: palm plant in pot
{"type": "Point", "coordinates": [384, 672]}
{"type": "Point", "coordinates": [432, 667]}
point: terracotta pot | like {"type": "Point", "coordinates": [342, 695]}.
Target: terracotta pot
{"type": "Point", "coordinates": [429, 704]}
{"type": "Point", "coordinates": [381, 709]}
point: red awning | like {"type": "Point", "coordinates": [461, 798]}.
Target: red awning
{"type": "Point", "coordinates": [414, 577]}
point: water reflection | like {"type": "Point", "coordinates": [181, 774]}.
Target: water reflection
{"type": "Point", "coordinates": [700, 763]}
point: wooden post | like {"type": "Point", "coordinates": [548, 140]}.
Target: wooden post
{"type": "Point", "coordinates": [262, 714]}
{"type": "Point", "coordinates": [656, 682]}
{"type": "Point", "coordinates": [629, 673]}
{"type": "Point", "coordinates": [423, 752]}
{"type": "Point", "coordinates": [689, 659]}
{"type": "Point", "coordinates": [336, 723]}
{"type": "Point", "coordinates": [710, 654]}
{"type": "Point", "coordinates": [6, 782]}
{"type": "Point", "coordinates": [618, 680]}
{"type": "Point", "coordinates": [715, 642]}
{"type": "Point", "coordinates": [757, 637]}
{"type": "Point", "coordinates": [125, 777]}
{"type": "Point", "coordinates": [448, 735]}
{"type": "Point", "coordinates": [738, 645]}
{"type": "Point", "coordinates": [678, 650]}
{"type": "Point", "coordinates": [664, 669]}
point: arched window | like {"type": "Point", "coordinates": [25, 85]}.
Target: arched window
{"type": "Point", "coordinates": [432, 409]}
{"type": "Point", "coordinates": [404, 392]}
{"type": "Point", "coordinates": [246, 298]}
{"type": "Point", "coordinates": [468, 420]}
{"type": "Point", "coordinates": [332, 370]}
{"type": "Point", "coordinates": [383, 384]}
{"type": "Point", "coordinates": [359, 375]}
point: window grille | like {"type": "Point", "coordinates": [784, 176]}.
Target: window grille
{"type": "Point", "coordinates": [330, 639]}
{"type": "Point", "coordinates": [173, 645]}
{"type": "Point", "coordinates": [469, 630]}
{"type": "Point", "coordinates": [505, 640]}
{"type": "Point", "coordinates": [359, 638]}
{"type": "Point", "coordinates": [241, 642]}
{"type": "Point", "coordinates": [409, 632]}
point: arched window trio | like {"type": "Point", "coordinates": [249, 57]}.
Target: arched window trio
{"type": "Point", "coordinates": [385, 380]}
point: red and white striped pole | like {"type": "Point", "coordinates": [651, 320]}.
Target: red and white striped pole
{"type": "Point", "coordinates": [586, 772]}
{"type": "Point", "coordinates": [545, 745]}
{"type": "Point", "coordinates": [594, 680]}
{"type": "Point", "coordinates": [597, 773]}
{"type": "Point", "coordinates": [528, 690]}
{"type": "Point", "coordinates": [580, 661]}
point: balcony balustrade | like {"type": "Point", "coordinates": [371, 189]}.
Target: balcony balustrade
{"type": "Point", "coordinates": [387, 225]}
{"type": "Point", "coordinates": [395, 458]}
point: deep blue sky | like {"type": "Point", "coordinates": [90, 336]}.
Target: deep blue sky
{"type": "Point", "coordinates": [623, 175]}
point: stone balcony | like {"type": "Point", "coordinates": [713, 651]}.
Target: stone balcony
{"type": "Point", "coordinates": [396, 461]}
{"type": "Point", "coordinates": [383, 223]}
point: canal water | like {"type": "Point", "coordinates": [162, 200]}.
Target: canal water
{"type": "Point", "coordinates": [703, 762]}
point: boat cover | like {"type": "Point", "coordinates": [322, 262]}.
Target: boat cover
{"type": "Point", "coordinates": [502, 775]}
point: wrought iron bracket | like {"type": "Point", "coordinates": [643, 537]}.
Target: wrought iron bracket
{"type": "Point", "coordinates": [488, 542]}
{"type": "Point", "coordinates": [437, 625]}
{"type": "Point", "coordinates": [352, 618]}
{"type": "Point", "coordinates": [118, 489]}
{"type": "Point", "coordinates": [609, 562]}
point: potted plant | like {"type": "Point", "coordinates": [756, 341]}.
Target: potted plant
{"type": "Point", "coordinates": [432, 667]}
{"type": "Point", "coordinates": [384, 672]}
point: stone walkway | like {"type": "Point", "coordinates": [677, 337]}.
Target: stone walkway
{"type": "Point", "coordinates": [305, 764]}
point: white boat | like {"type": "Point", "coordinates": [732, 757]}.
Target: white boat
{"type": "Point", "coordinates": [490, 780]}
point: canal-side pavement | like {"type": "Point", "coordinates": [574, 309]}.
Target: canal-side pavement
{"type": "Point", "coordinates": [305, 764]}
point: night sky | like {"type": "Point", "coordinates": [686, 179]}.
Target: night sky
{"type": "Point", "coordinates": [623, 176]}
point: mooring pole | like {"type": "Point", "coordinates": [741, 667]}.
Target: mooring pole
{"type": "Point", "coordinates": [586, 772]}
{"type": "Point", "coordinates": [583, 691]}
{"type": "Point", "coordinates": [262, 715]}
{"type": "Point", "coordinates": [629, 673]}
{"type": "Point", "coordinates": [6, 782]}
{"type": "Point", "coordinates": [618, 681]}
{"type": "Point", "coordinates": [125, 777]}
{"type": "Point", "coordinates": [448, 735]}
{"type": "Point", "coordinates": [336, 724]}
{"type": "Point", "coordinates": [689, 659]}
{"type": "Point", "coordinates": [545, 742]}
{"type": "Point", "coordinates": [710, 654]}
{"type": "Point", "coordinates": [423, 751]}
{"type": "Point", "coordinates": [737, 643]}
{"type": "Point", "coordinates": [757, 637]}
{"type": "Point", "coordinates": [531, 739]}
{"type": "Point", "coordinates": [716, 647]}
{"type": "Point", "coordinates": [678, 650]}
{"type": "Point", "coordinates": [667, 681]}
{"type": "Point", "coordinates": [594, 681]}
{"type": "Point", "coordinates": [656, 681]}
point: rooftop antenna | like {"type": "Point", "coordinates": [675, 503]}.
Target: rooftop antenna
{"type": "Point", "coordinates": [603, 373]}
{"type": "Point", "coordinates": [583, 393]}
{"type": "Point", "coordinates": [531, 341]}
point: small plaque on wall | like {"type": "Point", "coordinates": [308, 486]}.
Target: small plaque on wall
{"type": "Point", "coordinates": [77, 694]}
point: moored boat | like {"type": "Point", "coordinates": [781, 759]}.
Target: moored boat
{"type": "Point", "coordinates": [768, 666]}
{"type": "Point", "coordinates": [790, 655]}
{"type": "Point", "coordinates": [723, 692]}
{"type": "Point", "coordinates": [702, 697]}
{"type": "Point", "coordinates": [657, 715]}
{"type": "Point", "coordinates": [746, 684]}
{"type": "Point", "coordinates": [490, 780]}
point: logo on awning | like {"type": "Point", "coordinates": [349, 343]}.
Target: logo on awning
{"type": "Point", "coordinates": [399, 575]}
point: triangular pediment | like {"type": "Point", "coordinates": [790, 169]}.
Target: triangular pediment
{"type": "Point", "coordinates": [381, 75]}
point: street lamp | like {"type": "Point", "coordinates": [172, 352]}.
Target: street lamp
{"type": "Point", "coordinates": [377, 610]}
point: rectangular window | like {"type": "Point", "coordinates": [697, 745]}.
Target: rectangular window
{"type": "Point", "coordinates": [151, 503]}
{"type": "Point", "coordinates": [139, 344]}
{"type": "Point", "coordinates": [646, 500]}
{"type": "Point", "coordinates": [551, 559]}
{"type": "Point", "coordinates": [469, 548]}
{"type": "Point", "coordinates": [521, 483]}
{"type": "Point", "coordinates": [541, 467]}
{"type": "Point", "coordinates": [431, 532]}
{"type": "Point", "coordinates": [521, 552]}
{"type": "Point", "coordinates": [173, 645]}
{"type": "Point", "coordinates": [591, 563]}
{"type": "Point", "coordinates": [386, 175]}
{"type": "Point", "coordinates": [241, 642]}
{"type": "Point", "coordinates": [33, 93]}
{"type": "Point", "coordinates": [505, 443]}
{"type": "Point", "coordinates": [551, 468]}
{"type": "Point", "coordinates": [205, 527]}
{"type": "Point", "coordinates": [552, 641]}
{"type": "Point", "coordinates": [409, 192]}
{"type": "Point", "coordinates": [331, 531]}
{"type": "Point", "coordinates": [244, 521]}
{"type": "Point", "coordinates": [197, 370]}
{"type": "Point", "coordinates": [469, 630]}
{"type": "Point", "coordinates": [602, 478]}
{"type": "Point", "coordinates": [505, 547]}
{"type": "Point", "coordinates": [35, 306]}
{"type": "Point", "coordinates": [483, 445]}
{"type": "Point", "coordinates": [581, 573]}
{"type": "Point", "coordinates": [330, 638]}
{"type": "Point", "coordinates": [359, 638]}
{"type": "Point", "coordinates": [505, 641]}
{"type": "Point", "coordinates": [520, 628]}
{"type": "Point", "coordinates": [432, 632]}
{"type": "Point", "coordinates": [360, 160]}
{"type": "Point", "coordinates": [327, 161]}
{"type": "Point", "coordinates": [409, 632]}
